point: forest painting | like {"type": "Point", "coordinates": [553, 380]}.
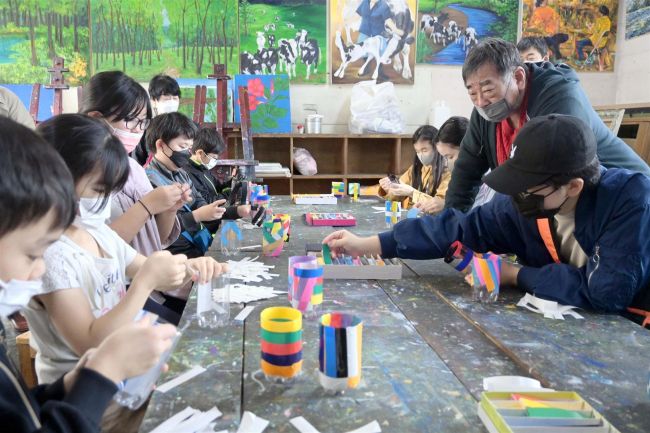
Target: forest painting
{"type": "Point", "coordinates": [637, 18]}
{"type": "Point", "coordinates": [32, 32]}
{"type": "Point", "coordinates": [448, 30]}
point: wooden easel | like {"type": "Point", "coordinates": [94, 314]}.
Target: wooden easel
{"type": "Point", "coordinates": [57, 83]}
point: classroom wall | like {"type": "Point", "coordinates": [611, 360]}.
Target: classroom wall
{"type": "Point", "coordinates": [632, 68]}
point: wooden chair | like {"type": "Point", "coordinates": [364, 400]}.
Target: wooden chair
{"type": "Point", "coordinates": [26, 356]}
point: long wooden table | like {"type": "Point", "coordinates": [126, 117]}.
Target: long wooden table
{"type": "Point", "coordinates": [426, 348]}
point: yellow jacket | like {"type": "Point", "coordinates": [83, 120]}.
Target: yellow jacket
{"type": "Point", "coordinates": [602, 25]}
{"type": "Point", "coordinates": [419, 196]}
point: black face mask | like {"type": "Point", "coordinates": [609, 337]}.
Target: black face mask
{"type": "Point", "coordinates": [179, 158]}
{"type": "Point", "coordinates": [531, 205]}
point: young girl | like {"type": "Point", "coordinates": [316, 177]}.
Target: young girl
{"type": "Point", "coordinates": [38, 202]}
{"type": "Point", "coordinates": [425, 179]}
{"type": "Point", "coordinates": [85, 297]}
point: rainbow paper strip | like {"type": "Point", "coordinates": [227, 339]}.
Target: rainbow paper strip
{"type": "Point", "coordinates": [281, 342]}
{"type": "Point", "coordinates": [486, 272]}
{"type": "Point", "coordinates": [272, 237]}
{"type": "Point", "coordinates": [353, 190]}
{"type": "Point", "coordinates": [340, 349]}
{"type": "Point", "coordinates": [286, 224]}
{"type": "Point", "coordinates": [293, 260]}
{"type": "Point", "coordinates": [307, 286]}
{"type": "Point", "coordinates": [393, 212]}
{"type": "Point", "coordinates": [229, 232]}
{"type": "Point", "coordinates": [338, 189]}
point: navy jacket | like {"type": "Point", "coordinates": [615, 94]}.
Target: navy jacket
{"type": "Point", "coordinates": [612, 226]}
{"type": "Point", "coordinates": [553, 89]}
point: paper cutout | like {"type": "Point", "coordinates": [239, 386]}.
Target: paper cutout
{"type": "Point", "coordinates": [251, 423]}
{"type": "Point", "coordinates": [272, 237]}
{"type": "Point", "coordinates": [250, 270]}
{"type": "Point", "coordinates": [178, 380]}
{"type": "Point", "coordinates": [188, 419]}
{"type": "Point", "coordinates": [292, 261]}
{"type": "Point", "coordinates": [281, 335]}
{"type": "Point", "coordinates": [307, 286]}
{"type": "Point", "coordinates": [327, 254]}
{"type": "Point", "coordinates": [243, 314]}
{"type": "Point", "coordinates": [302, 425]}
{"type": "Point", "coordinates": [244, 293]}
{"type": "Point", "coordinates": [413, 213]}
{"type": "Point", "coordinates": [372, 427]}
{"type": "Point", "coordinates": [338, 189]}
{"type": "Point", "coordinates": [353, 191]}
{"type": "Point", "coordinates": [393, 211]}
{"type": "Point", "coordinates": [339, 353]}
{"type": "Point", "coordinates": [550, 309]}
{"type": "Point", "coordinates": [174, 420]}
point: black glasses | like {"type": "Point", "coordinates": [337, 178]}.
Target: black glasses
{"type": "Point", "coordinates": [142, 124]}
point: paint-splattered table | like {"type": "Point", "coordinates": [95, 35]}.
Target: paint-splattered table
{"type": "Point", "coordinates": [426, 349]}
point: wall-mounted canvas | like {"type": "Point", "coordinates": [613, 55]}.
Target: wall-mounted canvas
{"type": "Point", "coordinates": [284, 37]}
{"type": "Point", "coordinates": [268, 100]}
{"type": "Point", "coordinates": [448, 30]}
{"type": "Point", "coordinates": [372, 39]}
{"type": "Point", "coordinates": [581, 34]}
{"type": "Point", "coordinates": [45, 100]}
{"type": "Point", "coordinates": [33, 32]}
{"type": "Point", "coordinates": [188, 91]}
{"type": "Point", "coordinates": [182, 38]}
{"type": "Point", "coordinates": [637, 18]}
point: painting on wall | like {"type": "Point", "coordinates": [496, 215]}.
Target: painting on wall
{"type": "Point", "coordinates": [45, 100]}
{"type": "Point", "coordinates": [33, 32]}
{"type": "Point", "coordinates": [372, 40]}
{"type": "Point", "coordinates": [284, 37]}
{"type": "Point", "coordinates": [448, 30]}
{"type": "Point", "coordinates": [637, 18]}
{"type": "Point", "coordinates": [188, 93]}
{"type": "Point", "coordinates": [581, 34]}
{"type": "Point", "coordinates": [181, 38]}
{"type": "Point", "coordinates": [268, 101]}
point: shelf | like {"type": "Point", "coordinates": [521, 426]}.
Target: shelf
{"type": "Point", "coordinates": [365, 176]}
{"type": "Point", "coordinates": [319, 176]}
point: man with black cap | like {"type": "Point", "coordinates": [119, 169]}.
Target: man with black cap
{"type": "Point", "coordinates": [581, 232]}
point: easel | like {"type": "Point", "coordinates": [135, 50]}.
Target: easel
{"type": "Point", "coordinates": [57, 83]}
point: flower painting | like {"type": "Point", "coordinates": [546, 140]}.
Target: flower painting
{"type": "Point", "coordinates": [268, 102]}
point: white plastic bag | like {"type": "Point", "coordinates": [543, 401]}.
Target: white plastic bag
{"type": "Point", "coordinates": [304, 162]}
{"type": "Point", "coordinates": [374, 108]}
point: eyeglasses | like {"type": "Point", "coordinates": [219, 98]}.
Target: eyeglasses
{"type": "Point", "coordinates": [141, 124]}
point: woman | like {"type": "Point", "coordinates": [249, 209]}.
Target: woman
{"type": "Point", "coordinates": [425, 179]}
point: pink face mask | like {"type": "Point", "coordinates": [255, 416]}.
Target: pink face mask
{"type": "Point", "coordinates": [129, 139]}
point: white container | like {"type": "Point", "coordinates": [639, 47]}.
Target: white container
{"type": "Point", "coordinates": [313, 123]}
{"type": "Point", "coordinates": [213, 302]}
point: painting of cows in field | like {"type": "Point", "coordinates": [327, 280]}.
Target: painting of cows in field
{"type": "Point", "coordinates": [448, 30]}
{"type": "Point", "coordinates": [372, 40]}
{"type": "Point", "coordinates": [284, 37]}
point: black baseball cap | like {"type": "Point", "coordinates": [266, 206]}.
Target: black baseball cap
{"type": "Point", "coordinates": [546, 146]}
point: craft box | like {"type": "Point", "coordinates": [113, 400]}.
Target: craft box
{"type": "Point", "coordinates": [314, 199]}
{"type": "Point", "coordinates": [335, 219]}
{"type": "Point", "coordinates": [365, 268]}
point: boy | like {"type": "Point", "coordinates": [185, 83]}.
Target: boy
{"type": "Point", "coordinates": [207, 146]}
{"type": "Point", "coordinates": [38, 202]}
{"type": "Point", "coordinates": [581, 231]}
{"type": "Point", "coordinates": [533, 49]}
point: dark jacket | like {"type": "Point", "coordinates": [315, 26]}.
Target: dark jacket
{"type": "Point", "coordinates": [204, 181]}
{"type": "Point", "coordinates": [554, 89]}
{"type": "Point", "coordinates": [47, 408]}
{"type": "Point", "coordinates": [612, 225]}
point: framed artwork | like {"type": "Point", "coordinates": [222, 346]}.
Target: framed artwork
{"type": "Point", "coordinates": [268, 100]}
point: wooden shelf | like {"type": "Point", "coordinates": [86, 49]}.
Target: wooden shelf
{"type": "Point", "coordinates": [365, 176]}
{"type": "Point", "coordinates": [319, 176]}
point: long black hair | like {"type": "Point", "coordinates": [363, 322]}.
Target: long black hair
{"type": "Point", "coordinates": [427, 133]}
{"type": "Point", "coordinates": [453, 131]}
{"type": "Point", "coordinates": [86, 144]}
{"type": "Point", "coordinates": [115, 94]}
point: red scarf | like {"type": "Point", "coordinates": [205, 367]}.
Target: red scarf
{"type": "Point", "coordinates": [505, 133]}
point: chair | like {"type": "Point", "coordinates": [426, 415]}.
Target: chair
{"type": "Point", "coordinates": [26, 356]}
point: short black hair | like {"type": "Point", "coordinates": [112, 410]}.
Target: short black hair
{"type": "Point", "coordinates": [209, 141]}
{"type": "Point", "coordinates": [603, 10]}
{"type": "Point", "coordinates": [453, 130]}
{"type": "Point", "coordinates": [426, 133]}
{"type": "Point", "coordinates": [167, 127]}
{"type": "Point", "coordinates": [589, 174]}
{"type": "Point", "coordinates": [34, 180]}
{"type": "Point", "coordinates": [502, 54]}
{"type": "Point", "coordinates": [163, 84]}
{"type": "Point", "coordinates": [86, 144]}
{"type": "Point", "coordinates": [115, 94]}
{"type": "Point", "coordinates": [535, 42]}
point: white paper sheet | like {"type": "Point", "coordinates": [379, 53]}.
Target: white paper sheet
{"type": "Point", "coordinates": [251, 423]}
{"type": "Point", "coordinates": [174, 420]}
{"type": "Point", "coordinates": [302, 425]}
{"type": "Point", "coordinates": [243, 314]}
{"type": "Point", "coordinates": [550, 309]}
{"type": "Point", "coordinates": [372, 427]}
{"type": "Point", "coordinates": [197, 422]}
{"type": "Point", "coordinates": [180, 379]}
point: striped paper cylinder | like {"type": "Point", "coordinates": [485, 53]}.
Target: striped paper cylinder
{"type": "Point", "coordinates": [292, 261]}
{"type": "Point", "coordinates": [353, 191]}
{"type": "Point", "coordinates": [338, 189]}
{"type": "Point", "coordinates": [339, 352]}
{"type": "Point", "coordinates": [286, 224]}
{"type": "Point", "coordinates": [486, 277]}
{"type": "Point", "coordinates": [393, 212]}
{"type": "Point", "coordinates": [281, 342]}
{"type": "Point", "coordinates": [272, 237]}
{"type": "Point", "coordinates": [307, 287]}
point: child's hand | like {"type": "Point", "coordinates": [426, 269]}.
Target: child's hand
{"type": "Point", "coordinates": [434, 205]}
{"type": "Point", "coordinates": [162, 198]}
{"type": "Point", "coordinates": [401, 190]}
{"type": "Point", "coordinates": [244, 210]}
{"type": "Point", "coordinates": [385, 183]}
{"type": "Point", "coordinates": [131, 350]}
{"type": "Point", "coordinates": [203, 269]}
{"type": "Point", "coordinates": [343, 242]}
{"type": "Point", "coordinates": [210, 212]}
{"type": "Point", "coordinates": [71, 377]}
{"type": "Point", "coordinates": [163, 271]}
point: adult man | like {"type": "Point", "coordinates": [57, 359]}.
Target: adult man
{"type": "Point", "coordinates": [582, 232]}
{"type": "Point", "coordinates": [506, 93]}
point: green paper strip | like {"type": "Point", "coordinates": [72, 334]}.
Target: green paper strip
{"type": "Point", "coordinates": [552, 412]}
{"type": "Point", "coordinates": [327, 254]}
{"type": "Point", "coordinates": [280, 338]}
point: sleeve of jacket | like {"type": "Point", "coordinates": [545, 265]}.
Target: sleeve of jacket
{"type": "Point", "coordinates": [472, 163]}
{"type": "Point", "coordinates": [406, 178]}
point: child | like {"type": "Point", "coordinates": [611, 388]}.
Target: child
{"type": "Point", "coordinates": [87, 269]}
{"type": "Point", "coordinates": [581, 231]}
{"type": "Point", "coordinates": [423, 180]}
{"type": "Point", "coordinates": [38, 201]}
{"type": "Point", "coordinates": [532, 49]}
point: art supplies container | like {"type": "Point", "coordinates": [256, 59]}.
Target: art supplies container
{"type": "Point", "coordinates": [314, 123]}
{"type": "Point", "coordinates": [307, 288]}
{"type": "Point", "coordinates": [230, 238]}
{"type": "Point", "coordinates": [213, 302]}
{"type": "Point", "coordinates": [281, 342]}
{"type": "Point", "coordinates": [339, 352]}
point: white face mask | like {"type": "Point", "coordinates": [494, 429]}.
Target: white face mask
{"type": "Point", "coordinates": [15, 295]}
{"type": "Point", "coordinates": [89, 216]}
{"type": "Point", "coordinates": [211, 164]}
{"type": "Point", "coordinates": [168, 106]}
{"type": "Point", "coordinates": [425, 158]}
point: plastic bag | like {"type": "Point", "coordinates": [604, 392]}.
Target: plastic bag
{"type": "Point", "coordinates": [304, 162]}
{"type": "Point", "coordinates": [374, 108]}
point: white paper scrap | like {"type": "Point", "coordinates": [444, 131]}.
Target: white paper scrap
{"type": "Point", "coordinates": [302, 425]}
{"type": "Point", "coordinates": [174, 420]}
{"type": "Point", "coordinates": [243, 314]}
{"type": "Point", "coordinates": [198, 421]}
{"type": "Point", "coordinates": [550, 309]}
{"type": "Point", "coordinates": [244, 293]}
{"type": "Point", "coordinates": [512, 383]}
{"type": "Point", "coordinates": [251, 423]}
{"type": "Point", "coordinates": [180, 379]}
{"type": "Point", "coordinates": [372, 427]}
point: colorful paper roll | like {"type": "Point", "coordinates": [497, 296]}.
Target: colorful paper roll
{"type": "Point", "coordinates": [339, 353]}
{"type": "Point", "coordinates": [281, 342]}
{"type": "Point", "coordinates": [353, 191]}
{"type": "Point", "coordinates": [292, 261]}
{"type": "Point", "coordinates": [286, 224]}
{"type": "Point", "coordinates": [393, 212]}
{"type": "Point", "coordinates": [307, 287]}
{"type": "Point", "coordinates": [272, 237]}
{"type": "Point", "coordinates": [338, 189]}
{"type": "Point", "coordinates": [483, 269]}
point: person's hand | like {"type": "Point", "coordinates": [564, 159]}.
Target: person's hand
{"type": "Point", "coordinates": [186, 196]}
{"type": "Point", "coordinates": [433, 205]}
{"type": "Point", "coordinates": [162, 271]}
{"type": "Point", "coordinates": [210, 212]}
{"type": "Point", "coordinates": [244, 210]}
{"type": "Point", "coordinates": [343, 242]}
{"type": "Point", "coordinates": [162, 198]}
{"type": "Point", "coordinates": [401, 190]}
{"type": "Point", "coordinates": [131, 350]}
{"type": "Point", "coordinates": [385, 183]}
{"type": "Point", "coordinates": [203, 269]}
{"type": "Point", "coordinates": [71, 377]}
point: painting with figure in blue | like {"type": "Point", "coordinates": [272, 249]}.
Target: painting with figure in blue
{"type": "Point", "coordinates": [188, 93]}
{"type": "Point", "coordinates": [448, 30]}
{"type": "Point", "coordinates": [268, 102]}
{"type": "Point", "coordinates": [45, 101]}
